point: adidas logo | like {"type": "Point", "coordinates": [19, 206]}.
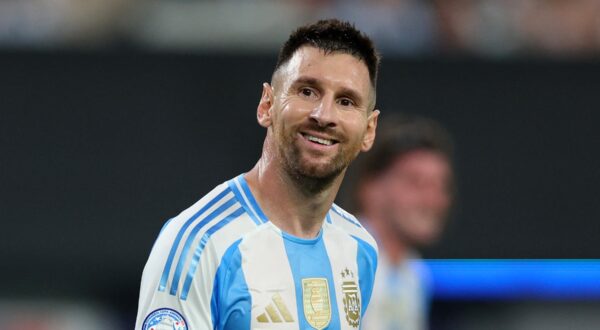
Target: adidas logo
{"type": "Point", "coordinates": [275, 312]}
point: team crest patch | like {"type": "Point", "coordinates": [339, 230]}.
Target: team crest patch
{"type": "Point", "coordinates": [316, 302]}
{"type": "Point", "coordinates": [164, 319]}
{"type": "Point", "coordinates": [351, 299]}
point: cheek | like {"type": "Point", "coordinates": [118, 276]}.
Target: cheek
{"type": "Point", "coordinates": [392, 200]}
{"type": "Point", "coordinates": [401, 195]}
{"type": "Point", "coordinates": [443, 201]}
{"type": "Point", "coordinates": [355, 129]}
{"type": "Point", "coordinates": [282, 118]}
{"type": "Point", "coordinates": [293, 113]}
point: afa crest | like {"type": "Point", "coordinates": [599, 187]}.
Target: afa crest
{"type": "Point", "coordinates": [316, 302]}
{"type": "Point", "coordinates": [351, 298]}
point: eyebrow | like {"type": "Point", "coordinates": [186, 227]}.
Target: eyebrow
{"type": "Point", "coordinates": [304, 80]}
{"type": "Point", "coordinates": [344, 91]}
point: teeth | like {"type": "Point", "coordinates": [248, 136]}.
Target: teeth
{"type": "Point", "coordinates": [319, 140]}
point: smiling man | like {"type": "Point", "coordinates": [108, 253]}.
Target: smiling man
{"type": "Point", "coordinates": [269, 249]}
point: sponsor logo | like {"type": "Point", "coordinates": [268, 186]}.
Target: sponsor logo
{"type": "Point", "coordinates": [276, 312]}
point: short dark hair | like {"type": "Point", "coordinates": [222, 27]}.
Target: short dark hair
{"type": "Point", "coordinates": [398, 135]}
{"type": "Point", "coordinates": [331, 36]}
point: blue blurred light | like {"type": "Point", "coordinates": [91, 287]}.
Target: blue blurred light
{"type": "Point", "coordinates": [515, 279]}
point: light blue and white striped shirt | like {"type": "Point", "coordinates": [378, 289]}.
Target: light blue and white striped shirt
{"type": "Point", "coordinates": [221, 264]}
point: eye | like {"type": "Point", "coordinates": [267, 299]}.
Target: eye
{"type": "Point", "coordinates": [346, 102]}
{"type": "Point", "coordinates": [307, 91]}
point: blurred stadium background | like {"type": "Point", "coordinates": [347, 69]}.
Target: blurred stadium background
{"type": "Point", "coordinates": [117, 114]}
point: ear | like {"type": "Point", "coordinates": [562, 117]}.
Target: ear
{"type": "Point", "coordinates": [369, 137]}
{"type": "Point", "coordinates": [263, 111]}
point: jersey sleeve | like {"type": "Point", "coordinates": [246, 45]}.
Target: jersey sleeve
{"type": "Point", "coordinates": [163, 297]}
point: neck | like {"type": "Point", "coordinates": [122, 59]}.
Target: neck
{"type": "Point", "coordinates": [297, 208]}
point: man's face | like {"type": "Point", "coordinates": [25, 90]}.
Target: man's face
{"type": "Point", "coordinates": [320, 112]}
{"type": "Point", "coordinates": [416, 196]}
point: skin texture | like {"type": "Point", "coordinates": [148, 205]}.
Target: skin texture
{"type": "Point", "coordinates": [328, 96]}
{"type": "Point", "coordinates": [407, 205]}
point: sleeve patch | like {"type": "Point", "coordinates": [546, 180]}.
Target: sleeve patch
{"type": "Point", "coordinates": [164, 318]}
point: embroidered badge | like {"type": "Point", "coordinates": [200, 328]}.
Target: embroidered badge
{"type": "Point", "coordinates": [351, 298]}
{"type": "Point", "coordinates": [164, 319]}
{"type": "Point", "coordinates": [316, 302]}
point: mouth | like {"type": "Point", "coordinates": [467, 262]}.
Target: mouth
{"type": "Point", "coordinates": [319, 140]}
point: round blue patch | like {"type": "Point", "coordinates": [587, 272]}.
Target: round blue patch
{"type": "Point", "coordinates": [164, 319]}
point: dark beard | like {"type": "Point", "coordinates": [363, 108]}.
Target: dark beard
{"type": "Point", "coordinates": [312, 184]}
{"type": "Point", "coordinates": [308, 180]}
{"type": "Point", "coordinates": [312, 179]}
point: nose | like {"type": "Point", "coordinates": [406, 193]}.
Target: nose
{"type": "Point", "coordinates": [324, 113]}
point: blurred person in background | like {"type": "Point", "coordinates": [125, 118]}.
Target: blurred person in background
{"type": "Point", "coordinates": [401, 27]}
{"type": "Point", "coordinates": [561, 27]}
{"type": "Point", "coordinates": [484, 27]}
{"type": "Point", "coordinates": [513, 27]}
{"type": "Point", "coordinates": [404, 192]}
{"type": "Point", "coordinates": [62, 23]}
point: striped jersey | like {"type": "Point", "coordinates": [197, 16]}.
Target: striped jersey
{"type": "Point", "coordinates": [220, 264]}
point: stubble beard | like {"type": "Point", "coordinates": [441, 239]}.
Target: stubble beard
{"type": "Point", "coordinates": [312, 178]}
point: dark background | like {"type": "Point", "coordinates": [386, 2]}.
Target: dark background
{"type": "Point", "coordinates": [97, 150]}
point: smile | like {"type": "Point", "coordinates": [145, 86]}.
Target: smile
{"type": "Point", "coordinates": [318, 140]}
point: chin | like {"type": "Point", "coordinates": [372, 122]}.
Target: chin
{"type": "Point", "coordinates": [318, 172]}
{"type": "Point", "coordinates": [304, 165]}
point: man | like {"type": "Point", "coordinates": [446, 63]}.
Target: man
{"type": "Point", "coordinates": [404, 193]}
{"type": "Point", "coordinates": [269, 249]}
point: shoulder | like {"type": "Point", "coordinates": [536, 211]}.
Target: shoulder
{"type": "Point", "coordinates": [215, 213]}
{"type": "Point", "coordinates": [217, 201]}
{"type": "Point", "coordinates": [346, 222]}
{"type": "Point", "coordinates": [195, 241]}
{"type": "Point", "coordinates": [180, 271]}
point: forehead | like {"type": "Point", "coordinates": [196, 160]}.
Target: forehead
{"type": "Point", "coordinates": [423, 162]}
{"type": "Point", "coordinates": [336, 68]}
